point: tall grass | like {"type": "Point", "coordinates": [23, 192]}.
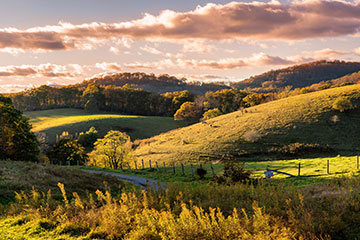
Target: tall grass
{"type": "Point", "coordinates": [241, 211]}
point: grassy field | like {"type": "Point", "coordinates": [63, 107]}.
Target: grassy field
{"type": "Point", "coordinates": [312, 170]}
{"type": "Point", "coordinates": [23, 176]}
{"type": "Point", "coordinates": [54, 122]}
{"type": "Point", "coordinates": [250, 135]}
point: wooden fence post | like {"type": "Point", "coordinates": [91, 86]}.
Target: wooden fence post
{"type": "Point", "coordinates": [182, 169]}
{"type": "Point", "coordinates": [142, 161]}
{"type": "Point", "coordinates": [135, 165]}
{"type": "Point", "coordinates": [299, 169]}
{"type": "Point", "coordinates": [327, 167]}
{"type": "Point", "coordinates": [157, 166]}
{"type": "Point", "coordinates": [164, 166]}
{"type": "Point", "coordinates": [192, 170]}
{"type": "Point", "coordinates": [174, 168]}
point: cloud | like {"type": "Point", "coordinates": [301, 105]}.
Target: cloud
{"type": "Point", "coordinates": [151, 50]}
{"type": "Point", "coordinates": [42, 70]}
{"type": "Point", "coordinates": [327, 53]}
{"type": "Point", "coordinates": [197, 47]}
{"type": "Point", "coordinates": [108, 66]}
{"type": "Point", "coordinates": [357, 51]}
{"type": "Point", "coordinates": [298, 20]}
{"type": "Point", "coordinates": [258, 59]}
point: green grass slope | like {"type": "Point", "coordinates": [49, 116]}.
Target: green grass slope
{"type": "Point", "coordinates": [23, 176]}
{"type": "Point", "coordinates": [54, 122]}
{"type": "Point", "coordinates": [303, 119]}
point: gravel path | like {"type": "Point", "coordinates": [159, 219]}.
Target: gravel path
{"type": "Point", "coordinates": [139, 181]}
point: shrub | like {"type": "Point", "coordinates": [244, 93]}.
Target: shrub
{"type": "Point", "coordinates": [188, 112]}
{"type": "Point", "coordinates": [201, 172]}
{"type": "Point", "coordinates": [88, 138]}
{"type": "Point", "coordinates": [67, 150]}
{"type": "Point", "coordinates": [211, 113]}
{"type": "Point", "coordinates": [342, 104]}
{"type": "Point", "coordinates": [234, 173]}
{"type": "Point", "coordinates": [252, 136]}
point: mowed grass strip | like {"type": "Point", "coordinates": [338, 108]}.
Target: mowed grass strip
{"type": "Point", "coordinates": [304, 119]}
{"type": "Point", "coordinates": [74, 121]}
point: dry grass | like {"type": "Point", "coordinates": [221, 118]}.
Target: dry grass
{"type": "Point", "coordinates": [304, 118]}
{"type": "Point", "coordinates": [23, 176]}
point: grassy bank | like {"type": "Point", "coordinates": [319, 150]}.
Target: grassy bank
{"type": "Point", "coordinates": [261, 132]}
{"type": "Point", "coordinates": [54, 122]}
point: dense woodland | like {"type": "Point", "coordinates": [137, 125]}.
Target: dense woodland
{"type": "Point", "coordinates": [158, 84]}
{"type": "Point", "coordinates": [299, 76]}
{"type": "Point", "coordinates": [113, 93]}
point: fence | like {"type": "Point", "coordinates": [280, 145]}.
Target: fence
{"type": "Point", "coordinates": [289, 168]}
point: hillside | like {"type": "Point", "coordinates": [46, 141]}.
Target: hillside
{"type": "Point", "coordinates": [152, 83]}
{"type": "Point", "coordinates": [23, 176]}
{"type": "Point", "coordinates": [299, 76]}
{"type": "Point", "coordinates": [263, 131]}
{"type": "Point", "coordinates": [74, 121]}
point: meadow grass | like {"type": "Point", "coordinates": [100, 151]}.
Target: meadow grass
{"type": "Point", "coordinates": [302, 119]}
{"type": "Point", "coordinates": [312, 171]}
{"type": "Point", "coordinates": [239, 211]}
{"type": "Point", "coordinates": [23, 176]}
{"type": "Point", "coordinates": [74, 121]}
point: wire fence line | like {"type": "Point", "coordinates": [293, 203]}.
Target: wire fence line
{"type": "Point", "coordinates": [299, 169]}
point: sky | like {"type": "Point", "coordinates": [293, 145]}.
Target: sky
{"type": "Point", "coordinates": [65, 42]}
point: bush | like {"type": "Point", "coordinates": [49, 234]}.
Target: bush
{"type": "Point", "coordinates": [200, 172]}
{"type": "Point", "coordinates": [188, 112]}
{"type": "Point", "coordinates": [234, 173]}
{"type": "Point", "coordinates": [88, 138]}
{"type": "Point", "coordinates": [67, 150]}
{"type": "Point", "coordinates": [211, 113]}
{"type": "Point", "coordinates": [342, 104]}
{"type": "Point", "coordinates": [252, 136]}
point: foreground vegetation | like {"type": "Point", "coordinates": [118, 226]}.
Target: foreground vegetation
{"type": "Point", "coordinates": [23, 176]}
{"type": "Point", "coordinates": [74, 121]}
{"type": "Point", "coordinates": [240, 211]}
{"type": "Point", "coordinates": [292, 127]}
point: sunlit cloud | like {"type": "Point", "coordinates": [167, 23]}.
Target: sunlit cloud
{"type": "Point", "coordinates": [357, 51]}
{"type": "Point", "coordinates": [298, 20]}
{"type": "Point", "coordinates": [327, 53]}
{"type": "Point", "coordinates": [42, 70]}
{"type": "Point", "coordinates": [108, 66]}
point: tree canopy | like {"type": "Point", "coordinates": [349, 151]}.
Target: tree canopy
{"type": "Point", "coordinates": [114, 149]}
{"type": "Point", "coordinates": [17, 142]}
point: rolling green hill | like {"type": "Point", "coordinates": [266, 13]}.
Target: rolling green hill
{"type": "Point", "coordinates": [263, 131]}
{"type": "Point", "coordinates": [299, 76]}
{"type": "Point", "coordinates": [54, 122]}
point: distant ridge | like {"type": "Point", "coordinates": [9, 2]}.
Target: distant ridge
{"type": "Point", "coordinates": [154, 83]}
{"type": "Point", "coordinates": [299, 76]}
